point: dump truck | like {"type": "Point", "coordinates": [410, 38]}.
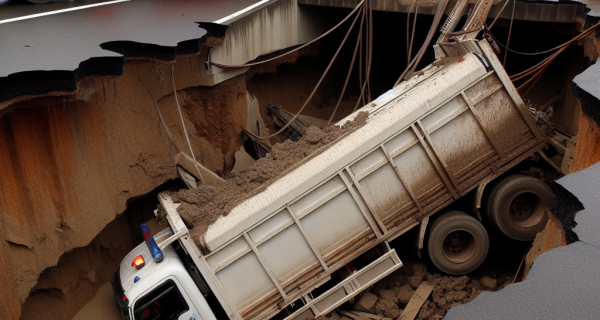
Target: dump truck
{"type": "Point", "coordinates": [319, 235]}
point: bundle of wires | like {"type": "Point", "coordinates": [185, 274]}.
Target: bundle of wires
{"type": "Point", "coordinates": [535, 73]}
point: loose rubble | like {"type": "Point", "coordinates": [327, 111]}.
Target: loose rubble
{"type": "Point", "coordinates": [389, 297]}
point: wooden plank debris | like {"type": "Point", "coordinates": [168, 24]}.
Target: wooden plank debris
{"type": "Point", "coordinates": [416, 302]}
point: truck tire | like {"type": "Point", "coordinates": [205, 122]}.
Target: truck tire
{"type": "Point", "coordinates": [457, 243]}
{"type": "Point", "coordinates": [517, 206]}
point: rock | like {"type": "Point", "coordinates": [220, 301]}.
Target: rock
{"type": "Point", "coordinates": [455, 296]}
{"type": "Point", "coordinates": [489, 283]}
{"type": "Point", "coordinates": [440, 302]}
{"type": "Point", "coordinates": [386, 294]}
{"type": "Point", "coordinates": [387, 308]}
{"type": "Point", "coordinates": [314, 135]}
{"type": "Point", "coordinates": [404, 294]}
{"type": "Point", "coordinates": [427, 310]}
{"type": "Point", "coordinates": [461, 283]}
{"type": "Point", "coordinates": [366, 302]}
{"type": "Point", "coordinates": [474, 285]}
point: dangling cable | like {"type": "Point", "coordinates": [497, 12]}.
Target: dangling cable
{"type": "Point", "coordinates": [160, 115]}
{"type": "Point", "coordinates": [512, 19]}
{"type": "Point", "coordinates": [412, 37]}
{"type": "Point", "coordinates": [184, 129]}
{"type": "Point", "coordinates": [436, 20]}
{"type": "Point", "coordinates": [349, 72]}
{"type": "Point", "coordinates": [499, 13]}
{"type": "Point", "coordinates": [408, 35]}
{"type": "Point", "coordinates": [316, 86]}
{"type": "Point", "coordinates": [370, 49]}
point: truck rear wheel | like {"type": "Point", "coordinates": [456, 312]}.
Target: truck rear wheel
{"type": "Point", "coordinates": [457, 243]}
{"type": "Point", "coordinates": [517, 206]}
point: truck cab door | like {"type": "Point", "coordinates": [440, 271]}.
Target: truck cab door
{"type": "Point", "coordinates": [165, 302]}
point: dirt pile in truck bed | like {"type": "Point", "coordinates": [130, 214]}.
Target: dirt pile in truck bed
{"type": "Point", "coordinates": [202, 206]}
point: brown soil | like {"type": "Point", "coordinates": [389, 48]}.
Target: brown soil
{"type": "Point", "coordinates": [389, 297]}
{"type": "Point", "coordinates": [70, 163]}
{"type": "Point", "coordinates": [67, 287]}
{"type": "Point", "coordinates": [202, 206]}
{"type": "Point", "coordinates": [587, 150]}
{"type": "Point", "coordinates": [553, 236]}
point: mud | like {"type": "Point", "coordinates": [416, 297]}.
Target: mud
{"type": "Point", "coordinates": [389, 297]}
{"type": "Point", "coordinates": [202, 206]}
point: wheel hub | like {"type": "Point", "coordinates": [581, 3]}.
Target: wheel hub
{"type": "Point", "coordinates": [525, 210]}
{"type": "Point", "coordinates": [459, 246]}
{"type": "Point", "coordinates": [521, 208]}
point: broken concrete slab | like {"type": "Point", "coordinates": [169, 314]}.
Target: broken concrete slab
{"type": "Point", "coordinates": [62, 41]}
{"type": "Point", "coordinates": [586, 88]}
{"type": "Point", "coordinates": [584, 184]}
{"type": "Point", "coordinates": [563, 284]}
{"type": "Point", "coordinates": [366, 302]}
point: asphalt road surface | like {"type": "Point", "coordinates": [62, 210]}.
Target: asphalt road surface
{"type": "Point", "coordinates": [61, 41]}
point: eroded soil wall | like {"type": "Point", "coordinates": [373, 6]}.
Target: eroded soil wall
{"type": "Point", "coordinates": [70, 163]}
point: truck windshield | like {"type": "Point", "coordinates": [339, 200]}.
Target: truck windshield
{"type": "Point", "coordinates": [163, 303]}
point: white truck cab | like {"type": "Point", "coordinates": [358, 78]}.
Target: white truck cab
{"type": "Point", "coordinates": [164, 290]}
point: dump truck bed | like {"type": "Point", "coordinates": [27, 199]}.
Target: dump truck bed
{"type": "Point", "coordinates": [422, 148]}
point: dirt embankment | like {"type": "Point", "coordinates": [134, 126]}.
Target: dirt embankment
{"type": "Point", "coordinates": [71, 162]}
{"type": "Point", "coordinates": [79, 274]}
{"type": "Point", "coordinates": [202, 206]}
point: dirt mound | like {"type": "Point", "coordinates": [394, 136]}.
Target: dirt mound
{"type": "Point", "coordinates": [202, 206]}
{"type": "Point", "coordinates": [389, 297]}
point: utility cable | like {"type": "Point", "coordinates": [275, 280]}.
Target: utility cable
{"type": "Point", "coordinates": [360, 28]}
{"type": "Point", "coordinates": [408, 35]}
{"type": "Point", "coordinates": [412, 37]}
{"type": "Point", "coordinates": [436, 20]}
{"type": "Point", "coordinates": [546, 61]}
{"type": "Point", "coordinates": [370, 48]}
{"type": "Point", "coordinates": [512, 19]}
{"type": "Point", "coordinates": [360, 66]}
{"type": "Point", "coordinates": [586, 32]}
{"type": "Point", "coordinates": [316, 86]}
{"type": "Point", "coordinates": [500, 12]}
{"type": "Point", "coordinates": [184, 129]}
{"type": "Point", "coordinates": [440, 12]}
{"type": "Point", "coordinates": [160, 115]}
{"type": "Point", "coordinates": [363, 86]}
{"type": "Point", "coordinates": [296, 49]}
